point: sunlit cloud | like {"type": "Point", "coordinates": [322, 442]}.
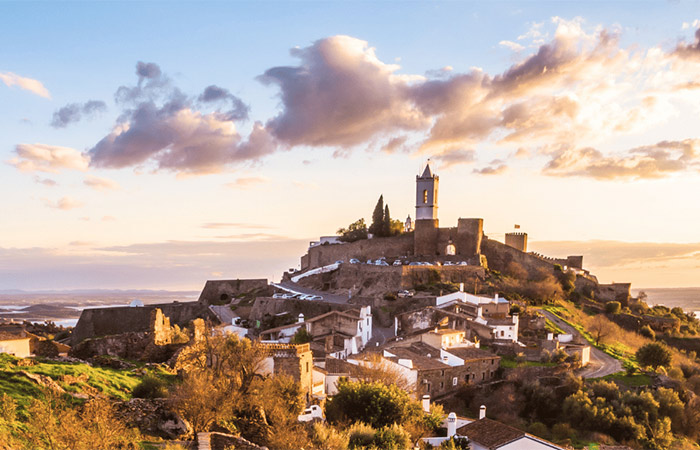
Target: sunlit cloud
{"type": "Point", "coordinates": [496, 167]}
{"type": "Point", "coordinates": [247, 182]}
{"type": "Point", "coordinates": [64, 203]}
{"type": "Point", "coordinates": [28, 84]}
{"type": "Point", "coordinates": [48, 158]}
{"type": "Point", "coordinates": [100, 184]}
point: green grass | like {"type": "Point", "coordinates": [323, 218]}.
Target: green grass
{"type": "Point", "coordinates": [115, 384]}
{"type": "Point", "coordinates": [511, 363]}
{"type": "Point", "coordinates": [628, 380]}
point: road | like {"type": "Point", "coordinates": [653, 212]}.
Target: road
{"type": "Point", "coordinates": [600, 365]}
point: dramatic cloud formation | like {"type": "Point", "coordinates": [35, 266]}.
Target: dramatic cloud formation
{"type": "Point", "coordinates": [691, 51]}
{"type": "Point", "coordinates": [47, 158]}
{"type": "Point", "coordinates": [75, 111]}
{"type": "Point", "coordinates": [652, 161]}
{"type": "Point", "coordinates": [64, 203]}
{"type": "Point", "coordinates": [28, 84]}
{"type": "Point", "coordinates": [340, 95]}
{"type": "Point", "coordinates": [160, 125]}
{"type": "Point", "coordinates": [100, 184]}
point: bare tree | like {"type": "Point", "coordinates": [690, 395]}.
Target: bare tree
{"type": "Point", "coordinates": [600, 328]}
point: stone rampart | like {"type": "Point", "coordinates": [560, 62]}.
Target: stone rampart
{"type": "Point", "coordinates": [389, 247]}
{"type": "Point", "coordinates": [100, 322]}
{"type": "Point", "coordinates": [268, 306]}
{"type": "Point", "coordinates": [223, 291]}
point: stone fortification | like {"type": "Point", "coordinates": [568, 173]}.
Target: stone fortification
{"type": "Point", "coordinates": [390, 247]}
{"type": "Point", "coordinates": [100, 322]}
{"type": "Point", "coordinates": [517, 240]}
{"type": "Point", "coordinates": [268, 306]}
{"type": "Point", "coordinates": [223, 291]}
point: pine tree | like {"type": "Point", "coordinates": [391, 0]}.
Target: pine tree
{"type": "Point", "coordinates": [378, 218]}
{"type": "Point", "coordinates": [386, 225]}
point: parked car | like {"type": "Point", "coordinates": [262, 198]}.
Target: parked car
{"type": "Point", "coordinates": [314, 297]}
{"type": "Point", "coordinates": [279, 295]}
{"type": "Point", "coordinates": [381, 262]}
{"type": "Point", "coordinates": [354, 261]}
{"type": "Point", "coordinates": [311, 413]}
{"type": "Point", "coordinates": [415, 263]}
{"type": "Point", "coordinates": [397, 262]}
{"type": "Point", "coordinates": [463, 263]}
{"type": "Point", "coordinates": [404, 294]}
{"type": "Point", "coordinates": [340, 261]}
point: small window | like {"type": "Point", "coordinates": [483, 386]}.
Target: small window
{"type": "Point", "coordinates": [454, 381]}
{"type": "Point", "coordinates": [442, 385]}
{"type": "Point", "coordinates": [425, 196]}
{"type": "Point", "coordinates": [307, 367]}
{"type": "Point", "coordinates": [442, 373]}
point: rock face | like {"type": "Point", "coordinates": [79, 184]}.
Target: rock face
{"type": "Point", "coordinates": [153, 417]}
{"type": "Point", "coordinates": [44, 381]}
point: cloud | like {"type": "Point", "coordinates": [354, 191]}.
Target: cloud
{"type": "Point", "coordinates": [109, 219]}
{"type": "Point", "coordinates": [28, 84]}
{"type": "Point", "coordinates": [64, 204]}
{"type": "Point", "coordinates": [247, 182]}
{"type": "Point", "coordinates": [221, 225]}
{"type": "Point", "coordinates": [161, 126]}
{"type": "Point", "coordinates": [647, 162]}
{"type": "Point", "coordinates": [454, 157]}
{"type": "Point", "coordinates": [395, 144]}
{"type": "Point", "coordinates": [47, 158]}
{"type": "Point", "coordinates": [340, 94]}
{"type": "Point", "coordinates": [45, 181]}
{"type": "Point", "coordinates": [690, 51]}
{"type": "Point", "coordinates": [75, 111]}
{"type": "Point", "coordinates": [215, 94]}
{"type": "Point", "coordinates": [100, 184]}
{"type": "Point", "coordinates": [514, 46]}
{"type": "Point", "coordinates": [496, 167]}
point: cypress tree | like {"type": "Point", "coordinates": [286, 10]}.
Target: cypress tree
{"type": "Point", "coordinates": [386, 225]}
{"type": "Point", "coordinates": [377, 226]}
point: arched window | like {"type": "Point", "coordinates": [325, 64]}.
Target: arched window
{"type": "Point", "coordinates": [425, 196]}
{"type": "Point", "coordinates": [450, 250]}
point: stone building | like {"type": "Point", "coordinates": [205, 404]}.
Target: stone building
{"type": "Point", "coordinates": [15, 342]}
{"type": "Point", "coordinates": [289, 359]}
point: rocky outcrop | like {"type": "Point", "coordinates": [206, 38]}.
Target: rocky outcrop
{"type": "Point", "coordinates": [43, 381]}
{"type": "Point", "coordinates": [153, 417]}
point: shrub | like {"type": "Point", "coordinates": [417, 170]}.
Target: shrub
{"type": "Point", "coordinates": [46, 348]}
{"type": "Point", "coordinates": [325, 437]}
{"type": "Point", "coordinates": [150, 387]}
{"type": "Point", "coordinates": [392, 437]}
{"type": "Point", "coordinates": [301, 337]}
{"type": "Point", "coordinates": [538, 429]}
{"type": "Point", "coordinates": [390, 296]}
{"type": "Point", "coordinates": [360, 435]}
{"type": "Point", "coordinates": [647, 332]}
{"type": "Point", "coordinates": [654, 355]}
{"type": "Point", "coordinates": [612, 307]}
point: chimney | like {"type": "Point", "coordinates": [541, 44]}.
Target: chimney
{"type": "Point", "coordinates": [550, 336]}
{"type": "Point", "coordinates": [451, 424]}
{"type": "Point", "coordinates": [301, 318]}
{"type": "Point", "coordinates": [461, 287]}
{"type": "Point", "coordinates": [482, 412]}
{"type": "Point", "coordinates": [495, 297]}
{"type": "Point", "coordinates": [426, 403]}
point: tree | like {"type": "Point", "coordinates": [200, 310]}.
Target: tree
{"type": "Point", "coordinates": [354, 232]}
{"type": "Point", "coordinates": [301, 337]}
{"type": "Point", "coordinates": [375, 404]}
{"type": "Point", "coordinates": [612, 307]}
{"type": "Point", "coordinates": [654, 355]}
{"type": "Point", "coordinates": [600, 328]}
{"type": "Point", "coordinates": [377, 225]}
{"type": "Point", "coordinates": [374, 368]}
{"type": "Point", "coordinates": [386, 223]}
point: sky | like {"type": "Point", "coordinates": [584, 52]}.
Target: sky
{"type": "Point", "coordinates": [161, 144]}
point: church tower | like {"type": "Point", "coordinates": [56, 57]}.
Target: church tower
{"type": "Point", "coordinates": [426, 224]}
{"type": "Point", "coordinates": [427, 195]}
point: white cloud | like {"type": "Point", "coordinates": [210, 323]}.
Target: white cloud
{"type": "Point", "coordinates": [100, 183]}
{"type": "Point", "coordinates": [28, 84]}
{"type": "Point", "coordinates": [514, 46]}
{"type": "Point", "coordinates": [48, 158]}
{"type": "Point", "coordinates": [64, 203]}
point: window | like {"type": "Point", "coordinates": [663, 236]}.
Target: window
{"type": "Point", "coordinates": [483, 376]}
{"type": "Point", "coordinates": [442, 385]}
{"type": "Point", "coordinates": [442, 373]}
{"type": "Point", "coordinates": [503, 333]}
{"type": "Point", "coordinates": [307, 367]}
{"type": "Point", "coordinates": [425, 196]}
{"type": "Point", "coordinates": [454, 381]}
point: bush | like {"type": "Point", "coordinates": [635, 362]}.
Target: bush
{"type": "Point", "coordinates": [392, 437]}
{"type": "Point", "coordinates": [538, 429]}
{"type": "Point", "coordinates": [647, 332]}
{"type": "Point", "coordinates": [654, 355]}
{"type": "Point", "coordinates": [612, 307]}
{"type": "Point", "coordinates": [301, 337]}
{"type": "Point", "coordinates": [390, 296]}
{"type": "Point", "coordinates": [150, 387]}
{"type": "Point", "coordinates": [360, 435]}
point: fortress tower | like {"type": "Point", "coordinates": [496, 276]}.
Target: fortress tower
{"type": "Point", "coordinates": [426, 224]}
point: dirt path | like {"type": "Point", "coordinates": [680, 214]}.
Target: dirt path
{"type": "Point", "coordinates": [600, 365]}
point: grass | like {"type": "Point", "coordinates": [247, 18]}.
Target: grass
{"type": "Point", "coordinates": [628, 380]}
{"type": "Point", "coordinates": [511, 363]}
{"type": "Point", "coordinates": [115, 384]}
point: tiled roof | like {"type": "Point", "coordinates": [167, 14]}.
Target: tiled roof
{"type": "Point", "coordinates": [467, 353]}
{"type": "Point", "coordinates": [420, 361]}
{"type": "Point", "coordinates": [489, 433]}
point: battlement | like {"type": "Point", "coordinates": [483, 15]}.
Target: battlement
{"type": "Point", "coordinates": [285, 350]}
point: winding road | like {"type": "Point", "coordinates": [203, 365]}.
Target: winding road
{"type": "Point", "coordinates": [600, 365]}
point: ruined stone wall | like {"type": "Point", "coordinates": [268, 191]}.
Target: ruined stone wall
{"type": "Point", "coordinates": [295, 361]}
{"type": "Point", "coordinates": [470, 234]}
{"type": "Point", "coordinates": [335, 322]}
{"type": "Point", "coordinates": [618, 292]}
{"type": "Point", "coordinates": [439, 382]}
{"type": "Point", "coordinates": [111, 321]}
{"type": "Point", "coordinates": [499, 255]}
{"type": "Point", "coordinates": [217, 291]}
{"type": "Point", "coordinates": [389, 247]}
{"type": "Point", "coordinates": [426, 235]}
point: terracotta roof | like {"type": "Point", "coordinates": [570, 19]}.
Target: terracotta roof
{"type": "Point", "coordinates": [490, 434]}
{"type": "Point", "coordinates": [417, 354]}
{"type": "Point", "coordinates": [13, 335]}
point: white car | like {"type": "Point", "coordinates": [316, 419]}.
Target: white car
{"type": "Point", "coordinates": [311, 413]}
{"type": "Point", "coordinates": [381, 262]}
{"type": "Point", "coordinates": [340, 261]}
{"type": "Point", "coordinates": [314, 297]}
{"type": "Point", "coordinates": [397, 262]}
{"type": "Point", "coordinates": [354, 261]}
{"type": "Point", "coordinates": [279, 295]}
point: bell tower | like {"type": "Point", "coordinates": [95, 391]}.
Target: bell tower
{"type": "Point", "coordinates": [425, 235]}
{"type": "Point", "coordinates": [427, 195]}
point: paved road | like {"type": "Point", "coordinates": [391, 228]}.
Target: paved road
{"type": "Point", "coordinates": [600, 365]}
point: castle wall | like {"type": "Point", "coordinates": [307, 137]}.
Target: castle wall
{"type": "Point", "coordinates": [109, 321]}
{"type": "Point", "coordinates": [470, 234]}
{"type": "Point", "coordinates": [270, 306]}
{"type": "Point", "coordinates": [426, 236]}
{"type": "Point", "coordinates": [216, 291]}
{"type": "Point", "coordinates": [389, 247]}
{"type": "Point", "coordinates": [499, 255]}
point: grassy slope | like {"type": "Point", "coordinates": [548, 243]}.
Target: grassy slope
{"type": "Point", "coordinates": [115, 384]}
